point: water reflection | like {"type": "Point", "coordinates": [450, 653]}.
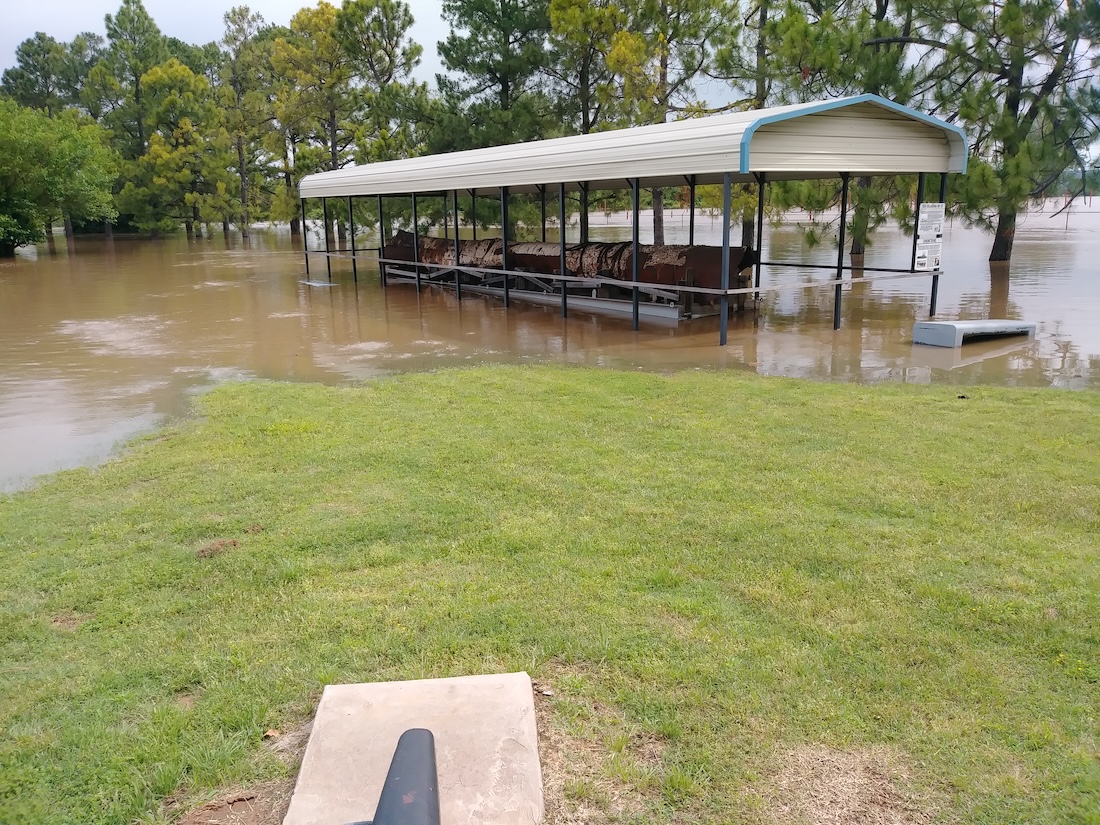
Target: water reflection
{"type": "Point", "coordinates": [110, 337]}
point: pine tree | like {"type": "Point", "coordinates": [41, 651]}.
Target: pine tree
{"type": "Point", "coordinates": [497, 49]}
{"type": "Point", "coordinates": [245, 106]}
{"type": "Point", "coordinates": [1020, 77]}
{"type": "Point", "coordinates": [36, 80]}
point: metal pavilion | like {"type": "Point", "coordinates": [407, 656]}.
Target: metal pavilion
{"type": "Point", "coordinates": [866, 135]}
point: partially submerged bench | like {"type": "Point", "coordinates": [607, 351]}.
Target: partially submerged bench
{"type": "Point", "coordinates": [957, 333]}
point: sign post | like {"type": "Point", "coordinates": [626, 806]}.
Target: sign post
{"type": "Point", "coordinates": [929, 246]}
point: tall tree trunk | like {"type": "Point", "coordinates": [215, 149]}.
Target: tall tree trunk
{"type": "Point", "coordinates": [190, 228]}
{"type": "Point", "coordinates": [1004, 236]}
{"type": "Point", "coordinates": [288, 181]}
{"type": "Point", "coordinates": [760, 98]}
{"type": "Point", "coordinates": [659, 217]}
{"type": "Point", "coordinates": [244, 186]}
{"type": "Point", "coordinates": [51, 245]}
{"type": "Point", "coordinates": [862, 210]}
{"type": "Point", "coordinates": [583, 195]}
{"type": "Point", "coordinates": [225, 226]}
{"type": "Point", "coordinates": [335, 161]}
{"type": "Point", "coordinates": [109, 230]}
{"type": "Point", "coordinates": [196, 219]}
{"type": "Point", "coordinates": [68, 227]}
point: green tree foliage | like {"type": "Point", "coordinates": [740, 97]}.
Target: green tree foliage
{"type": "Point", "coordinates": [113, 91]}
{"type": "Point", "coordinates": [581, 36]}
{"type": "Point", "coordinates": [36, 80]}
{"type": "Point", "coordinates": [667, 47]}
{"type": "Point", "coordinates": [855, 47]}
{"type": "Point", "coordinates": [244, 98]}
{"type": "Point", "coordinates": [375, 36]}
{"type": "Point", "coordinates": [497, 50]}
{"type": "Point", "coordinates": [1020, 76]}
{"type": "Point", "coordinates": [183, 176]}
{"type": "Point", "coordinates": [80, 56]}
{"type": "Point", "coordinates": [319, 98]}
{"type": "Point", "coordinates": [49, 167]}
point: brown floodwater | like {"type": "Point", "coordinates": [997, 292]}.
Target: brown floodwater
{"type": "Point", "coordinates": [109, 339]}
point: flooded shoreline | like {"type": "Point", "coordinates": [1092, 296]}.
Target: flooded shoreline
{"type": "Point", "coordinates": [113, 338]}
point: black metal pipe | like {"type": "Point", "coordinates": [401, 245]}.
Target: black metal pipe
{"type": "Point", "coordinates": [635, 253]}
{"type": "Point", "coordinates": [761, 182]}
{"type": "Point", "coordinates": [840, 248]}
{"type": "Point", "coordinates": [916, 220]}
{"type": "Point", "coordinates": [305, 235]}
{"type": "Point", "coordinates": [328, 257]}
{"type": "Point", "coordinates": [416, 242]}
{"type": "Point", "coordinates": [504, 241]}
{"type": "Point", "coordinates": [561, 224]}
{"type": "Point", "coordinates": [691, 211]}
{"type": "Point", "coordinates": [351, 230]}
{"type": "Point", "coordinates": [832, 267]}
{"type": "Point", "coordinates": [381, 244]}
{"type": "Point", "coordinates": [724, 312]}
{"type": "Point", "coordinates": [458, 255]}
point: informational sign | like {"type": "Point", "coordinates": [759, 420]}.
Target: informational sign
{"type": "Point", "coordinates": [930, 237]}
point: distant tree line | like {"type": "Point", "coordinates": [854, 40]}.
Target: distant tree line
{"type": "Point", "coordinates": [136, 129]}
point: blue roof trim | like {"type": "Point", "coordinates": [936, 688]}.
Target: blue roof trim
{"type": "Point", "coordinates": [828, 105]}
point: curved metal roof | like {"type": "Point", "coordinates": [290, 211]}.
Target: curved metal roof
{"type": "Point", "coordinates": [863, 135]}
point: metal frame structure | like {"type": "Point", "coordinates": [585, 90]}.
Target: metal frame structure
{"type": "Point", "coordinates": [840, 138]}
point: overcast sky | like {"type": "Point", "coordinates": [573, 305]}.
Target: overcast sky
{"type": "Point", "coordinates": [194, 21]}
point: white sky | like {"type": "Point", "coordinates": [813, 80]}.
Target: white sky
{"type": "Point", "coordinates": [194, 21]}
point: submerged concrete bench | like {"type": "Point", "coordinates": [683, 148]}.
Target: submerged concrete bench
{"type": "Point", "coordinates": [485, 739]}
{"type": "Point", "coordinates": [957, 333]}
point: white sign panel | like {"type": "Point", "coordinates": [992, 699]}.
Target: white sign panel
{"type": "Point", "coordinates": [930, 236]}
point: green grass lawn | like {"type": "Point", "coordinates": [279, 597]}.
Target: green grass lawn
{"type": "Point", "coordinates": [728, 565]}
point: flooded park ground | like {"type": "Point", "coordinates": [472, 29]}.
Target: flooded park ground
{"type": "Point", "coordinates": [109, 339]}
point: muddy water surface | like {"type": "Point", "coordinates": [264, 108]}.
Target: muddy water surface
{"type": "Point", "coordinates": [106, 340]}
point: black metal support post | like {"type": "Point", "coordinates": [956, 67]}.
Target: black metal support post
{"type": "Point", "coordinates": [416, 242]}
{"type": "Point", "coordinates": [840, 248]}
{"type": "Point", "coordinates": [936, 274]}
{"type": "Point", "coordinates": [351, 231]}
{"type": "Point", "coordinates": [724, 312]}
{"type": "Point", "coordinates": [305, 236]}
{"type": "Point", "coordinates": [504, 241]}
{"type": "Point", "coordinates": [381, 244]}
{"type": "Point", "coordinates": [916, 220]}
{"type": "Point", "coordinates": [691, 211]}
{"type": "Point", "coordinates": [561, 223]}
{"type": "Point", "coordinates": [760, 183]}
{"type": "Point", "coordinates": [458, 253]}
{"type": "Point", "coordinates": [328, 257]}
{"type": "Point", "coordinates": [635, 253]}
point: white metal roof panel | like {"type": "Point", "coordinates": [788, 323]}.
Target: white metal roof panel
{"type": "Point", "coordinates": [862, 135]}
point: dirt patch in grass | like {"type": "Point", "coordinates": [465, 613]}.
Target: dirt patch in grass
{"type": "Point", "coordinates": [821, 786]}
{"type": "Point", "coordinates": [263, 804]}
{"type": "Point", "coordinates": [70, 620]}
{"type": "Point", "coordinates": [216, 547]}
{"type": "Point", "coordinates": [593, 779]}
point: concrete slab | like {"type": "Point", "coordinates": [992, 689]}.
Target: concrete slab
{"type": "Point", "coordinates": [485, 739]}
